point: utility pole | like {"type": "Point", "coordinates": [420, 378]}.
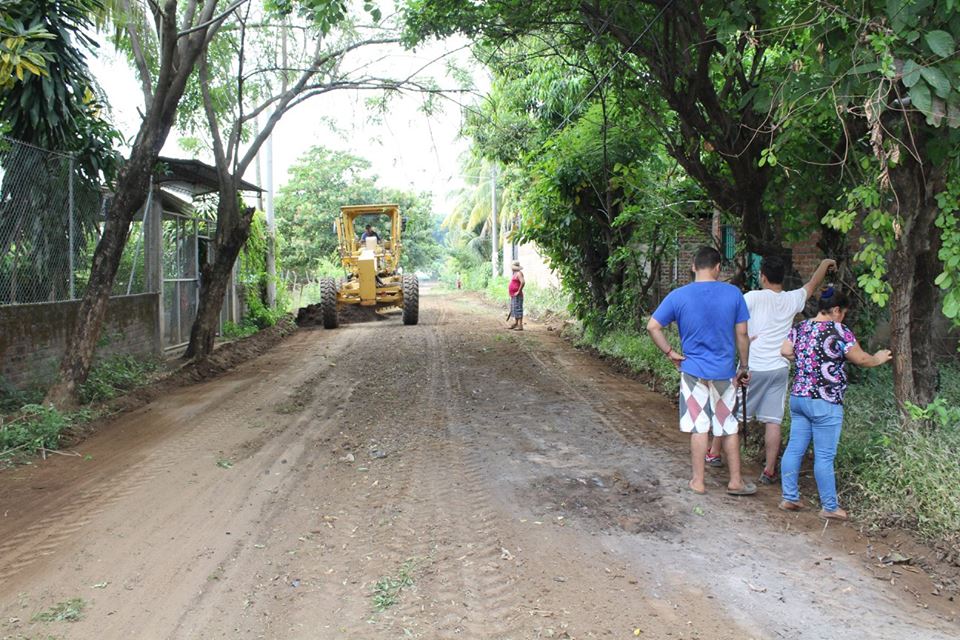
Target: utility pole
{"type": "Point", "coordinates": [271, 224]}
{"type": "Point", "coordinates": [258, 164]}
{"type": "Point", "coordinates": [494, 232]}
{"type": "Point", "coordinates": [271, 260]}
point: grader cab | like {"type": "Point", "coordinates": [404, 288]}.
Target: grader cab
{"type": "Point", "coordinates": [370, 248]}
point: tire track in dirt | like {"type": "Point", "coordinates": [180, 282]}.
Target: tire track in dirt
{"type": "Point", "coordinates": [370, 534]}
{"type": "Point", "coordinates": [473, 598]}
{"type": "Point", "coordinates": [43, 537]}
{"type": "Point", "coordinates": [296, 447]}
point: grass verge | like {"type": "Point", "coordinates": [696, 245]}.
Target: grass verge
{"type": "Point", "coordinates": [902, 473]}
{"type": "Point", "coordinates": [28, 427]}
{"type": "Point", "coordinates": [891, 472]}
{"type": "Point", "coordinates": [641, 355]}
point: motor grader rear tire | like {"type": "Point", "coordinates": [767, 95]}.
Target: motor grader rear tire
{"type": "Point", "coordinates": [328, 303]}
{"type": "Point", "coordinates": [411, 299]}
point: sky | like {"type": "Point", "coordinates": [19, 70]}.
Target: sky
{"type": "Point", "coordinates": [407, 148]}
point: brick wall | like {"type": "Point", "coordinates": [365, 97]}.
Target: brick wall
{"type": "Point", "coordinates": [804, 254]}
{"type": "Point", "coordinates": [32, 336]}
{"type": "Point", "coordinates": [678, 272]}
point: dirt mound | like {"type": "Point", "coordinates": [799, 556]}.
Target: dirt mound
{"type": "Point", "coordinates": [312, 315]}
{"type": "Point", "coordinates": [224, 358]}
{"type": "Point", "coordinates": [611, 501]}
{"type": "Point", "coordinates": [233, 353]}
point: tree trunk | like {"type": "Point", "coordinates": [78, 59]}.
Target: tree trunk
{"type": "Point", "coordinates": [901, 281]}
{"type": "Point", "coordinates": [925, 308]}
{"type": "Point", "coordinates": [912, 268]}
{"type": "Point", "coordinates": [178, 57]}
{"type": "Point", "coordinates": [132, 185]}
{"type": "Point", "coordinates": [233, 229]}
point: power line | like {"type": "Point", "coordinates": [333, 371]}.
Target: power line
{"type": "Point", "coordinates": [615, 64]}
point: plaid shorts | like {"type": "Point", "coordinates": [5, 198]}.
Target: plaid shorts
{"type": "Point", "coordinates": [707, 405]}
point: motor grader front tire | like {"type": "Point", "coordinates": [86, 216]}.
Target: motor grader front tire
{"type": "Point", "coordinates": [411, 299]}
{"type": "Point", "coordinates": [328, 303]}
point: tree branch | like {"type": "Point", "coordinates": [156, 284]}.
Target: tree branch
{"type": "Point", "coordinates": [220, 158]}
{"type": "Point", "coordinates": [218, 19]}
{"type": "Point", "coordinates": [146, 81]}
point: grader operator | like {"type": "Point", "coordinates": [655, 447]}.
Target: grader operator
{"type": "Point", "coordinates": [372, 262]}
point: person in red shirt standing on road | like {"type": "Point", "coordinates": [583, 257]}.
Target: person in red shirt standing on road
{"type": "Point", "coordinates": [516, 296]}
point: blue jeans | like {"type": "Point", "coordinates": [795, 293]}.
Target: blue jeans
{"type": "Point", "coordinates": [820, 421]}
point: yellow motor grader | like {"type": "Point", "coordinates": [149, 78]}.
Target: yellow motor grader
{"type": "Point", "coordinates": [372, 263]}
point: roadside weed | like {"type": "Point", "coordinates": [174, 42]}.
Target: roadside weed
{"type": "Point", "coordinates": [34, 428]}
{"type": "Point", "coordinates": [66, 611]}
{"type": "Point", "coordinates": [386, 591]}
{"type": "Point", "coordinates": [112, 376]}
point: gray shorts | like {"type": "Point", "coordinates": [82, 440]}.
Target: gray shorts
{"type": "Point", "coordinates": [767, 395]}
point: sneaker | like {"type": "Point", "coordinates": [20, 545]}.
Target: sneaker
{"type": "Point", "coordinates": [713, 461]}
{"type": "Point", "coordinates": [767, 479]}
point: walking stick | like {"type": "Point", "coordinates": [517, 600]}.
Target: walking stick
{"type": "Point", "coordinates": [743, 409]}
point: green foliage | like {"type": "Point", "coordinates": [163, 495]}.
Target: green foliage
{"type": "Point", "coordinates": [115, 375]}
{"type": "Point", "coordinates": [252, 276]}
{"type": "Point", "coordinates": [12, 398]}
{"type": "Point", "coordinates": [323, 15]}
{"type": "Point", "coordinates": [23, 50]}
{"type": "Point", "coordinates": [62, 108]}
{"type": "Point", "coordinates": [866, 205]}
{"type": "Point", "coordinates": [948, 221]}
{"type": "Point", "coordinates": [66, 611]}
{"type": "Point", "coordinates": [938, 414]}
{"type": "Point", "coordinates": [895, 474]}
{"type": "Point", "coordinates": [320, 183]}
{"type": "Point", "coordinates": [232, 330]}
{"type": "Point", "coordinates": [910, 45]}
{"type": "Point", "coordinates": [33, 428]}
{"type": "Point", "coordinates": [386, 591]}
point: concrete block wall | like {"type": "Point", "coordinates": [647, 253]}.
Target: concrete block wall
{"type": "Point", "coordinates": [33, 336]}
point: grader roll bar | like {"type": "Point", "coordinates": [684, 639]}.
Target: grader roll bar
{"type": "Point", "coordinates": [373, 266]}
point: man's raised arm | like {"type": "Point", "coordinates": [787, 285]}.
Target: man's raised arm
{"type": "Point", "coordinates": [819, 275]}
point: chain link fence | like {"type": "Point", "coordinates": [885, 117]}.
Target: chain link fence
{"type": "Point", "coordinates": [50, 222]}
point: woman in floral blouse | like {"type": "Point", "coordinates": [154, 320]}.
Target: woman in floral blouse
{"type": "Point", "coordinates": [821, 347]}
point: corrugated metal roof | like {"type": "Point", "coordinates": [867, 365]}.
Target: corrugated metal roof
{"type": "Point", "coordinates": [194, 177]}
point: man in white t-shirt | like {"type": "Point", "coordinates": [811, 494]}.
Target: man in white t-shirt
{"type": "Point", "coordinates": [772, 311]}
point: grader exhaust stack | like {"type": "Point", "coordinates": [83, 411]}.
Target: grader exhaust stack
{"type": "Point", "coordinates": [372, 263]}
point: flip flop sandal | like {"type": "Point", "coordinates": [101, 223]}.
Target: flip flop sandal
{"type": "Point", "coordinates": [833, 515]}
{"type": "Point", "coordinates": [786, 505]}
{"type": "Point", "coordinates": [748, 489]}
{"type": "Point", "coordinates": [692, 490]}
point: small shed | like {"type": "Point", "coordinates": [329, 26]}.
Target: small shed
{"type": "Point", "coordinates": [179, 226]}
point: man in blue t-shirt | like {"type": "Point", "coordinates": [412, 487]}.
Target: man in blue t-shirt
{"type": "Point", "coordinates": [712, 319]}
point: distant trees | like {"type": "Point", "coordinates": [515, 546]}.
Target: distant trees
{"type": "Point", "coordinates": [320, 183]}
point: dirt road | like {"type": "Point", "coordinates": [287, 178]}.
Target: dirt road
{"type": "Point", "coordinates": [449, 480]}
